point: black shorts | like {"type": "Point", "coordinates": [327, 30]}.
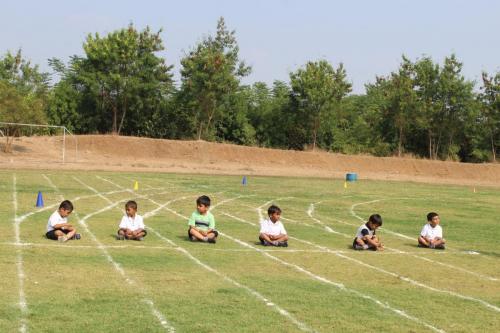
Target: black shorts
{"type": "Point", "coordinates": [52, 234]}
{"type": "Point", "coordinates": [143, 230]}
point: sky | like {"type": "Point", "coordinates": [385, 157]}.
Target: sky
{"type": "Point", "coordinates": [275, 37]}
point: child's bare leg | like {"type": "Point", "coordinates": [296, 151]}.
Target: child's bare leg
{"type": "Point", "coordinates": [265, 238]}
{"type": "Point", "coordinates": [71, 233]}
{"type": "Point", "coordinates": [281, 238]}
{"type": "Point", "coordinates": [438, 243]}
{"type": "Point", "coordinates": [423, 241]}
{"type": "Point", "coordinates": [137, 234]}
{"type": "Point", "coordinates": [373, 243]}
{"type": "Point", "coordinates": [195, 233]}
{"type": "Point", "coordinates": [212, 235]}
{"type": "Point", "coordinates": [129, 234]}
{"type": "Point", "coordinates": [360, 244]}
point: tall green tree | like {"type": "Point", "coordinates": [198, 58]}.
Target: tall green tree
{"type": "Point", "coordinates": [120, 75]}
{"type": "Point", "coordinates": [23, 94]}
{"type": "Point", "coordinates": [398, 103]}
{"type": "Point", "coordinates": [456, 101]}
{"type": "Point", "coordinates": [490, 98]}
{"type": "Point", "coordinates": [427, 86]}
{"type": "Point", "coordinates": [317, 88]}
{"type": "Point", "coordinates": [210, 73]}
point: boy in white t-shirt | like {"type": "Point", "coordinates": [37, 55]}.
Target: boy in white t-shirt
{"type": "Point", "coordinates": [432, 234]}
{"type": "Point", "coordinates": [365, 236]}
{"type": "Point", "coordinates": [132, 224]}
{"type": "Point", "coordinates": [272, 231]}
{"type": "Point", "coordinates": [58, 227]}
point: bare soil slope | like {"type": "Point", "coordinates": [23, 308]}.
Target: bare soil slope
{"type": "Point", "coordinates": [97, 152]}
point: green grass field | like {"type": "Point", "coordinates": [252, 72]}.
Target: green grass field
{"type": "Point", "coordinates": [317, 284]}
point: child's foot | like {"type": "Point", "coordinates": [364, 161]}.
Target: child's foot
{"type": "Point", "coordinates": [212, 240]}
{"type": "Point", "coordinates": [283, 244]}
{"type": "Point", "coordinates": [62, 239]}
{"type": "Point", "coordinates": [193, 239]}
{"type": "Point", "coordinates": [120, 237]}
{"type": "Point", "coordinates": [76, 237]}
{"type": "Point", "coordinates": [275, 243]}
{"type": "Point", "coordinates": [140, 239]}
{"type": "Point", "coordinates": [266, 243]}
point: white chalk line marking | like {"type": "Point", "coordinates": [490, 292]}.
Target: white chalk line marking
{"type": "Point", "coordinates": [23, 305]}
{"type": "Point", "coordinates": [416, 255]}
{"type": "Point", "coordinates": [161, 318]}
{"type": "Point", "coordinates": [153, 247]}
{"type": "Point", "coordinates": [401, 277]}
{"type": "Point", "coordinates": [54, 206]}
{"type": "Point", "coordinates": [335, 284]}
{"type": "Point", "coordinates": [483, 276]}
{"type": "Point", "coordinates": [381, 228]}
{"type": "Point", "coordinates": [329, 282]}
{"type": "Point", "coordinates": [156, 247]}
{"type": "Point", "coordinates": [302, 326]}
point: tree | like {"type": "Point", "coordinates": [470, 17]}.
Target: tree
{"type": "Point", "coordinates": [316, 88]}
{"type": "Point", "coordinates": [398, 103]}
{"type": "Point", "coordinates": [23, 94]}
{"type": "Point", "coordinates": [427, 85]}
{"type": "Point", "coordinates": [490, 98]}
{"type": "Point", "coordinates": [456, 100]}
{"type": "Point", "coordinates": [119, 74]}
{"type": "Point", "coordinates": [210, 73]}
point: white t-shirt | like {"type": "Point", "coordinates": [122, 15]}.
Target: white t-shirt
{"type": "Point", "coordinates": [132, 223]}
{"type": "Point", "coordinates": [364, 231]}
{"type": "Point", "coordinates": [270, 228]}
{"type": "Point", "coordinates": [429, 232]}
{"type": "Point", "coordinates": [55, 219]}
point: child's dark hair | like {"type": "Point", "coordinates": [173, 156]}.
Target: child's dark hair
{"type": "Point", "coordinates": [375, 219]}
{"type": "Point", "coordinates": [431, 215]}
{"type": "Point", "coordinates": [131, 204]}
{"type": "Point", "coordinates": [273, 209]}
{"type": "Point", "coordinates": [203, 200]}
{"type": "Point", "coordinates": [66, 205]}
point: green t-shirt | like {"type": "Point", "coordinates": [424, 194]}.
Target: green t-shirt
{"type": "Point", "coordinates": [202, 222]}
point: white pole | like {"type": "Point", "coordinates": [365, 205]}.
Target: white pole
{"type": "Point", "coordinates": [64, 145]}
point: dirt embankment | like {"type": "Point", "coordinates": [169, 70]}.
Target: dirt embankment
{"type": "Point", "coordinates": [96, 152]}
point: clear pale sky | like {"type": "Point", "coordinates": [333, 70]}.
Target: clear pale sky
{"type": "Point", "coordinates": [275, 36]}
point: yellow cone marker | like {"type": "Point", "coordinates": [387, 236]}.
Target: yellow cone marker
{"type": "Point", "coordinates": [136, 186]}
{"type": "Point", "coordinates": [345, 184]}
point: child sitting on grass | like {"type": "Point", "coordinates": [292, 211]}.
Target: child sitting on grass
{"type": "Point", "coordinates": [202, 223]}
{"type": "Point", "coordinates": [131, 225]}
{"type": "Point", "coordinates": [431, 235]}
{"type": "Point", "coordinates": [366, 238]}
{"type": "Point", "coordinates": [58, 227]}
{"type": "Point", "coordinates": [272, 231]}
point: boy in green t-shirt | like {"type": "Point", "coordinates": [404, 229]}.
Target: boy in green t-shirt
{"type": "Point", "coordinates": [202, 223]}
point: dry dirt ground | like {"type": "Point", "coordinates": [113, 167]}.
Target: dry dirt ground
{"type": "Point", "coordinates": [117, 153]}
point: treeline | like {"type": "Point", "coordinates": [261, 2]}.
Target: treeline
{"type": "Point", "coordinates": [120, 85]}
